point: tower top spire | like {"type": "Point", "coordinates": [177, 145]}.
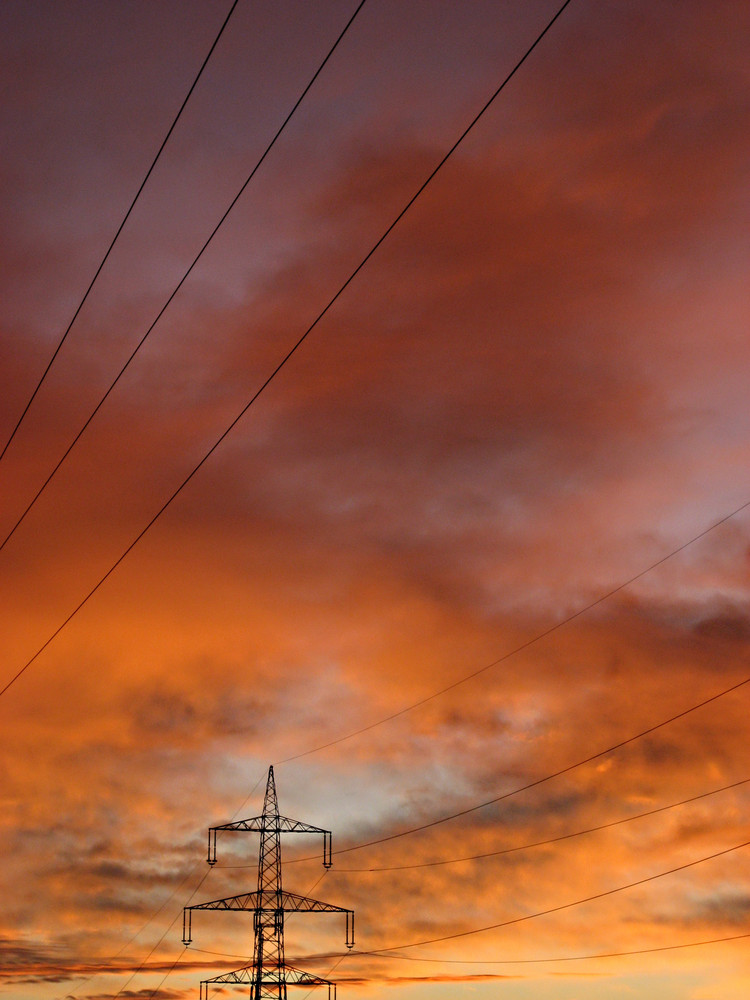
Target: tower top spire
{"type": "Point", "coordinates": [270, 802]}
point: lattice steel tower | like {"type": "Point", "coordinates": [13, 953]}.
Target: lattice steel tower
{"type": "Point", "coordinates": [269, 975]}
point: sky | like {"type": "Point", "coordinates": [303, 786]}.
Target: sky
{"type": "Point", "coordinates": [468, 552]}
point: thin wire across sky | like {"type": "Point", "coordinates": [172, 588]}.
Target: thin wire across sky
{"type": "Point", "coordinates": [110, 248]}
{"type": "Point", "coordinates": [294, 348]}
{"type": "Point", "coordinates": [133, 354]}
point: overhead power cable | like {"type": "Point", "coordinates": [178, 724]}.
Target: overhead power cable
{"type": "Point", "coordinates": [546, 777]}
{"type": "Point", "coordinates": [519, 847]}
{"type": "Point", "coordinates": [109, 962]}
{"type": "Point", "coordinates": [298, 343]}
{"type": "Point", "coordinates": [524, 645]}
{"type": "Point", "coordinates": [80, 983]}
{"type": "Point", "coordinates": [528, 961]}
{"type": "Point", "coordinates": [164, 978]}
{"type": "Point", "coordinates": [179, 285]}
{"type": "Point", "coordinates": [143, 964]}
{"type": "Point", "coordinates": [117, 234]}
{"type": "Point", "coordinates": [555, 909]}
{"type": "Point", "coordinates": [559, 958]}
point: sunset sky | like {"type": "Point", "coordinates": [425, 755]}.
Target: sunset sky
{"type": "Point", "coordinates": [487, 522]}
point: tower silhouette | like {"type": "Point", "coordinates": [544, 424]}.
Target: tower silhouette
{"type": "Point", "coordinates": [269, 975]}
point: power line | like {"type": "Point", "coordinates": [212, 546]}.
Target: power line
{"type": "Point", "coordinates": [527, 961]}
{"type": "Point", "coordinates": [115, 237]}
{"type": "Point", "coordinates": [161, 907]}
{"type": "Point", "coordinates": [522, 961]}
{"type": "Point", "coordinates": [80, 983]}
{"type": "Point", "coordinates": [556, 909]}
{"type": "Point", "coordinates": [524, 847]}
{"type": "Point", "coordinates": [562, 958]}
{"type": "Point", "coordinates": [524, 645]}
{"type": "Point", "coordinates": [174, 292]}
{"type": "Point", "coordinates": [295, 347]}
{"type": "Point", "coordinates": [546, 777]}
{"type": "Point", "coordinates": [142, 966]}
{"type": "Point", "coordinates": [166, 975]}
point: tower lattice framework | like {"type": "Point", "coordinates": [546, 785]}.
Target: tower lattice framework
{"type": "Point", "coordinates": [269, 975]}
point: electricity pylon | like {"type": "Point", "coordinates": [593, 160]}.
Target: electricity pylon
{"type": "Point", "coordinates": [269, 975]}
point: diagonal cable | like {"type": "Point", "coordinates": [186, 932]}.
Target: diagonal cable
{"type": "Point", "coordinates": [529, 642]}
{"type": "Point", "coordinates": [293, 349]}
{"type": "Point", "coordinates": [142, 966]}
{"type": "Point", "coordinates": [166, 975]}
{"type": "Point", "coordinates": [114, 240]}
{"type": "Point", "coordinates": [519, 847]}
{"type": "Point", "coordinates": [554, 774]}
{"type": "Point", "coordinates": [181, 282]}
{"type": "Point", "coordinates": [80, 983]}
{"type": "Point", "coordinates": [563, 958]}
{"type": "Point", "coordinates": [556, 909]}
{"type": "Point", "coordinates": [552, 840]}
{"type": "Point", "coordinates": [529, 961]}
{"type": "Point", "coordinates": [545, 778]}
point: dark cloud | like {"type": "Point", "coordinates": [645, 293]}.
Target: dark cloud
{"type": "Point", "coordinates": [730, 907]}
